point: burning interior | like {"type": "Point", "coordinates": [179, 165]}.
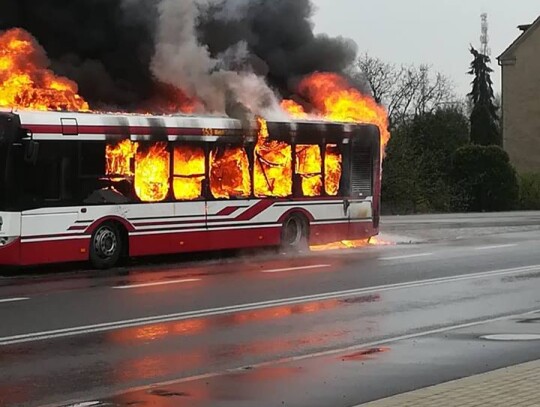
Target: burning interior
{"type": "Point", "coordinates": [182, 171]}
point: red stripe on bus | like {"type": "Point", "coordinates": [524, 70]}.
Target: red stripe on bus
{"type": "Point", "coordinates": [256, 209]}
{"type": "Point", "coordinates": [229, 210]}
{"type": "Point", "coordinates": [115, 130]}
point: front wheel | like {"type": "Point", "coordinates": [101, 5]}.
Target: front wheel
{"type": "Point", "coordinates": [105, 247]}
{"type": "Point", "coordinates": [294, 235]}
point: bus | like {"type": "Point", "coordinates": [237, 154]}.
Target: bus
{"type": "Point", "coordinates": [79, 187]}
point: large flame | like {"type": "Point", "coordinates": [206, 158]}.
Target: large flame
{"type": "Point", "coordinates": [152, 171]}
{"type": "Point", "coordinates": [334, 98]}
{"type": "Point", "coordinates": [309, 167]}
{"type": "Point", "coordinates": [229, 173]}
{"type": "Point", "coordinates": [25, 81]}
{"type": "Point", "coordinates": [189, 172]}
{"type": "Point", "coordinates": [273, 166]}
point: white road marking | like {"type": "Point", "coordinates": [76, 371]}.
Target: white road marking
{"type": "Point", "coordinates": [501, 246]}
{"type": "Point", "coordinates": [127, 287]}
{"type": "Point", "coordinates": [409, 256]}
{"type": "Point", "coordinates": [110, 326]}
{"type": "Point", "coordinates": [14, 299]}
{"type": "Point", "coordinates": [316, 266]}
{"type": "Point", "coordinates": [331, 352]}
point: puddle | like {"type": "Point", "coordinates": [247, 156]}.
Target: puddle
{"type": "Point", "coordinates": [512, 337]}
{"type": "Point", "coordinates": [362, 355]}
{"type": "Point", "coordinates": [166, 393]}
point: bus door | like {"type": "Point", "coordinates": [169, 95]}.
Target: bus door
{"type": "Point", "coordinates": [362, 203]}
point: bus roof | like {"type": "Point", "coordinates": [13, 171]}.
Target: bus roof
{"type": "Point", "coordinates": [52, 125]}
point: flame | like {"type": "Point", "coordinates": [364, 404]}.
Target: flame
{"type": "Point", "coordinates": [273, 166]}
{"type": "Point", "coordinates": [189, 172]}
{"type": "Point", "coordinates": [309, 167]}
{"type": "Point", "coordinates": [119, 158]}
{"type": "Point", "coordinates": [333, 169]}
{"type": "Point", "coordinates": [295, 110]}
{"type": "Point", "coordinates": [25, 81]}
{"type": "Point", "coordinates": [229, 173]}
{"type": "Point", "coordinates": [152, 171]}
{"type": "Point", "coordinates": [168, 99]}
{"type": "Point", "coordinates": [335, 99]}
{"type": "Point", "coordinates": [351, 244]}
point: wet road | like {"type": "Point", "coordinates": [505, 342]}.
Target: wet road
{"type": "Point", "coordinates": [332, 328]}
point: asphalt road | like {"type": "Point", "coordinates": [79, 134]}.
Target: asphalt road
{"type": "Point", "coordinates": [332, 328]}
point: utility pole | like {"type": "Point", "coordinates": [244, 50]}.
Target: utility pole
{"type": "Point", "coordinates": [484, 37]}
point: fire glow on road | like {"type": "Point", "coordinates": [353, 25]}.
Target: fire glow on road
{"type": "Point", "coordinates": [110, 326]}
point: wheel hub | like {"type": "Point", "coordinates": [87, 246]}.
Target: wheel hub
{"type": "Point", "coordinates": [105, 243]}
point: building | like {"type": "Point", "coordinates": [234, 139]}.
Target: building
{"type": "Point", "coordinates": [521, 98]}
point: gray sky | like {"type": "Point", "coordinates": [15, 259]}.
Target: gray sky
{"type": "Point", "coordinates": [435, 32]}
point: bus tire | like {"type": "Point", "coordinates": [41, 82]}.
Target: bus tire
{"type": "Point", "coordinates": [295, 234]}
{"type": "Point", "coordinates": [106, 246]}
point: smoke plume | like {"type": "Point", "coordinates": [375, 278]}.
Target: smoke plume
{"type": "Point", "coordinates": [229, 55]}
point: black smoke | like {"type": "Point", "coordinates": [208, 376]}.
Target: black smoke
{"type": "Point", "coordinates": [107, 46]}
{"type": "Point", "coordinates": [99, 44]}
{"type": "Point", "coordinates": [280, 34]}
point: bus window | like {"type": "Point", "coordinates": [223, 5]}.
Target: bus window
{"type": "Point", "coordinates": [152, 172]}
{"type": "Point", "coordinates": [273, 170]}
{"type": "Point", "coordinates": [309, 167]}
{"type": "Point", "coordinates": [229, 173]}
{"type": "Point", "coordinates": [120, 158]}
{"type": "Point", "coordinates": [189, 172]}
{"type": "Point", "coordinates": [333, 169]}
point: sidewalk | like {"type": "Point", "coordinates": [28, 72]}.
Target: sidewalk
{"type": "Point", "coordinates": [513, 386]}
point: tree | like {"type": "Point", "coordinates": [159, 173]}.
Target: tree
{"type": "Point", "coordinates": [406, 91]}
{"type": "Point", "coordinates": [417, 168]}
{"type": "Point", "coordinates": [484, 119]}
{"type": "Point", "coordinates": [484, 179]}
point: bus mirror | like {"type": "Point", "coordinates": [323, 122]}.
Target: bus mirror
{"type": "Point", "coordinates": [31, 151]}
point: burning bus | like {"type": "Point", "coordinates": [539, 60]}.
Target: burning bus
{"type": "Point", "coordinates": [78, 184]}
{"type": "Point", "coordinates": [98, 187]}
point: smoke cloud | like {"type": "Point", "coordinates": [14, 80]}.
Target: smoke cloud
{"type": "Point", "coordinates": [228, 54]}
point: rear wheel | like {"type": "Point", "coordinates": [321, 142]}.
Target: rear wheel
{"type": "Point", "coordinates": [294, 235]}
{"type": "Point", "coordinates": [106, 246]}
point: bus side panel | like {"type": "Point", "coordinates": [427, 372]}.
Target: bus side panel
{"type": "Point", "coordinates": [201, 241]}
{"type": "Point", "coordinates": [54, 251]}
{"type": "Point", "coordinates": [47, 237]}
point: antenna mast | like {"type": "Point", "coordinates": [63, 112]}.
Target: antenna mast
{"type": "Point", "coordinates": [484, 38]}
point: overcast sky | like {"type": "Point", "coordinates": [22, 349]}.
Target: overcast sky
{"type": "Point", "coordinates": [435, 32]}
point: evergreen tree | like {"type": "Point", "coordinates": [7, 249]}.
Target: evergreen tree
{"type": "Point", "coordinates": [484, 119]}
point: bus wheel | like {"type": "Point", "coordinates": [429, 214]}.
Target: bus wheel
{"type": "Point", "coordinates": [294, 235]}
{"type": "Point", "coordinates": [106, 246]}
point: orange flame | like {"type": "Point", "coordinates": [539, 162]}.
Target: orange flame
{"type": "Point", "coordinates": [309, 167]}
{"type": "Point", "coordinates": [119, 158]}
{"type": "Point", "coordinates": [152, 171]}
{"type": "Point", "coordinates": [273, 166]}
{"type": "Point", "coordinates": [295, 110]}
{"type": "Point", "coordinates": [333, 169]}
{"type": "Point", "coordinates": [351, 244]}
{"type": "Point", "coordinates": [25, 81]}
{"type": "Point", "coordinates": [333, 98]}
{"type": "Point", "coordinates": [229, 173]}
{"type": "Point", "coordinates": [189, 172]}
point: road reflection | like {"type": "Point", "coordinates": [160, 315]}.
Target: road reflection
{"type": "Point", "coordinates": [199, 325]}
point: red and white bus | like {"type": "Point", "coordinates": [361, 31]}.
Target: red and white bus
{"type": "Point", "coordinates": [100, 187]}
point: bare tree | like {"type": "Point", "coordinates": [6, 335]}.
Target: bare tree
{"type": "Point", "coordinates": [406, 91]}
